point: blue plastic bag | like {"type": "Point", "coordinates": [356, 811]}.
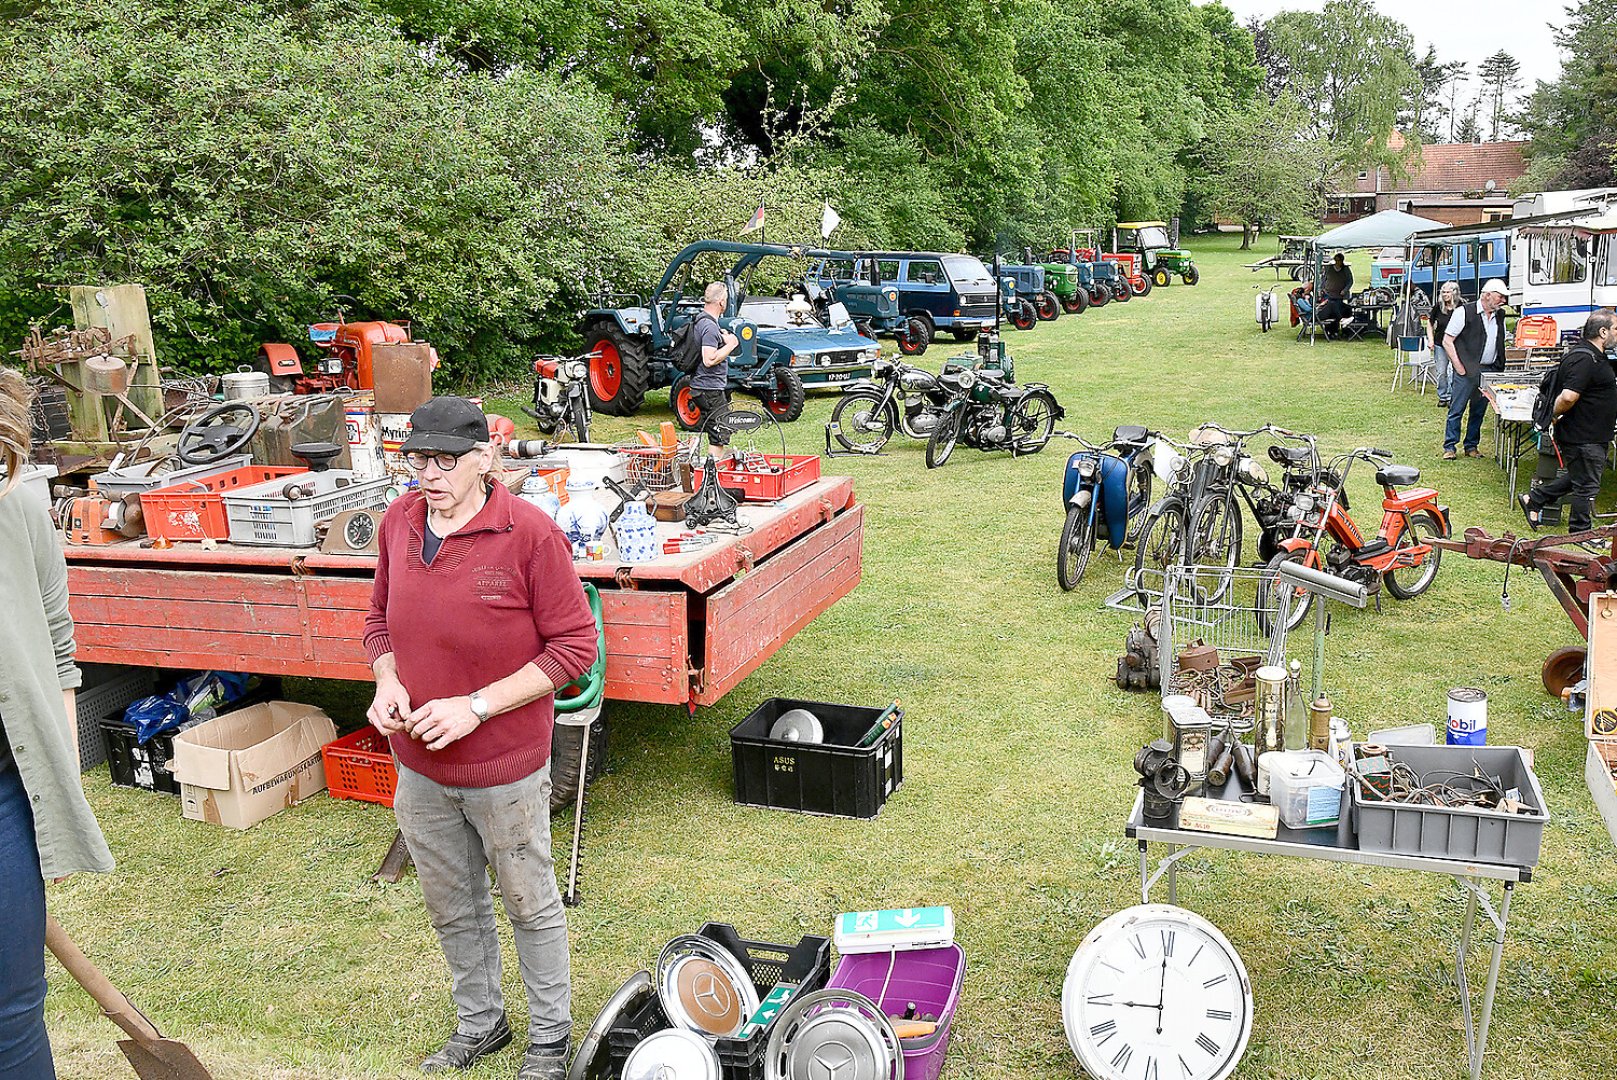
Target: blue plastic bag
{"type": "Point", "coordinates": [154, 715]}
{"type": "Point", "coordinates": [198, 698]}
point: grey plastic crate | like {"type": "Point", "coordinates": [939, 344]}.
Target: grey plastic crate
{"type": "Point", "coordinates": [262, 515]}
{"type": "Point", "coordinates": [107, 689]}
{"type": "Point", "coordinates": [139, 479]}
{"type": "Point", "coordinates": [1463, 833]}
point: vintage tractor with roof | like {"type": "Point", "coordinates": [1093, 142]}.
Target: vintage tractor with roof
{"type": "Point", "coordinates": [1161, 257]}
{"type": "Point", "coordinates": [781, 345]}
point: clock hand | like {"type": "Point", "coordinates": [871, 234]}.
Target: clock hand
{"type": "Point", "coordinates": [1162, 989]}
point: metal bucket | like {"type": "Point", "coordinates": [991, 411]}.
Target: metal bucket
{"type": "Point", "coordinates": [245, 383]}
{"type": "Point", "coordinates": [393, 429]}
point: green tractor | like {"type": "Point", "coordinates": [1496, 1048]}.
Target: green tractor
{"type": "Point", "coordinates": [1160, 259]}
{"type": "Point", "coordinates": [1061, 279]}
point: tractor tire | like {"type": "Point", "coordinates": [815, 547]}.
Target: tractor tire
{"type": "Point", "coordinates": [1160, 277]}
{"type": "Point", "coordinates": [1145, 285]}
{"type": "Point", "coordinates": [1048, 306]}
{"type": "Point", "coordinates": [682, 399]}
{"type": "Point", "coordinates": [619, 372]}
{"type": "Point", "coordinates": [1100, 294]}
{"type": "Point", "coordinates": [1191, 275]}
{"type": "Point", "coordinates": [964, 336]}
{"type": "Point", "coordinates": [785, 402]}
{"type": "Point", "coordinates": [1077, 303]}
{"type": "Point", "coordinates": [1026, 317]}
{"type": "Point", "coordinates": [917, 336]}
{"type": "Point", "coordinates": [1122, 293]}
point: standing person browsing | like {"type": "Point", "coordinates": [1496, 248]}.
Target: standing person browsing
{"type": "Point", "coordinates": [1437, 322]}
{"type": "Point", "coordinates": [1585, 412]}
{"type": "Point", "coordinates": [46, 829]}
{"type": "Point", "coordinates": [1475, 342]}
{"type": "Point", "coordinates": [1336, 284]}
{"type": "Point", "coordinates": [476, 618]}
{"type": "Point", "coordinates": [711, 384]}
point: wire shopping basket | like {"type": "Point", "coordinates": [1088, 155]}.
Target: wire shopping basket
{"type": "Point", "coordinates": [1236, 611]}
{"type": "Point", "coordinates": [651, 467]}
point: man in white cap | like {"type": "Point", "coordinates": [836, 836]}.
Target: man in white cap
{"type": "Point", "coordinates": [1475, 343]}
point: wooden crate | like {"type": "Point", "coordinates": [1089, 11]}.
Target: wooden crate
{"type": "Point", "coordinates": [1601, 665]}
{"type": "Point", "coordinates": [1597, 773]}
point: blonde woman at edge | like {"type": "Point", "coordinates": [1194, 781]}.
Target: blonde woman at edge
{"type": "Point", "coordinates": [46, 829]}
{"type": "Point", "coordinates": [1448, 298]}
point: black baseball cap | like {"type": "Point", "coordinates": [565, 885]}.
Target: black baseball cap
{"type": "Point", "coordinates": [446, 425]}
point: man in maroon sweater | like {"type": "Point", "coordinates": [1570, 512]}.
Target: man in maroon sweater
{"type": "Point", "coordinates": [476, 618]}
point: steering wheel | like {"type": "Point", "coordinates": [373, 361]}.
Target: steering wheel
{"type": "Point", "coordinates": [206, 439]}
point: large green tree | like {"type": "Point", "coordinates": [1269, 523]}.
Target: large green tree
{"type": "Point", "coordinates": [1570, 121]}
{"type": "Point", "coordinates": [1265, 166]}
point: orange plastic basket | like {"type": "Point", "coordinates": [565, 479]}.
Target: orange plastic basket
{"type": "Point", "coordinates": [360, 766]}
{"type": "Point", "coordinates": [195, 509]}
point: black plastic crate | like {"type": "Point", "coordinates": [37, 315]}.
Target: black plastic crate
{"type": "Point", "coordinates": [836, 776]}
{"type": "Point", "coordinates": [136, 764]}
{"type": "Point", "coordinates": [806, 965]}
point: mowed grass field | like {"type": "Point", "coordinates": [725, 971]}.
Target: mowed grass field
{"type": "Point", "coordinates": [273, 955]}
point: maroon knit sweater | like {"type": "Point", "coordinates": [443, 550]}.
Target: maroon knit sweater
{"type": "Point", "coordinates": [501, 592]}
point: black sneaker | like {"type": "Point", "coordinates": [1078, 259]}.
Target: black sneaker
{"type": "Point", "coordinates": [462, 1051]}
{"type": "Point", "coordinates": [544, 1063]}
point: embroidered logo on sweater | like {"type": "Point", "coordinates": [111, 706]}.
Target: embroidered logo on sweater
{"type": "Point", "coordinates": [492, 582]}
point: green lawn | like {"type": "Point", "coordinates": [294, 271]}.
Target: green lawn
{"type": "Point", "coordinates": [272, 954]}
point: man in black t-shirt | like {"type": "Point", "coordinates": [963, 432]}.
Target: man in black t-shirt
{"type": "Point", "coordinates": [1585, 414]}
{"type": "Point", "coordinates": [710, 385]}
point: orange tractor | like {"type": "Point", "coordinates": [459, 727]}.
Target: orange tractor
{"type": "Point", "coordinates": [346, 363]}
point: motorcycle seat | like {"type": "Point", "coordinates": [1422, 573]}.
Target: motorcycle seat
{"type": "Point", "coordinates": [1130, 435]}
{"type": "Point", "coordinates": [1289, 455]}
{"type": "Point", "coordinates": [1397, 475]}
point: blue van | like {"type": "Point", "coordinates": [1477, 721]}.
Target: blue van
{"type": "Point", "coordinates": [1469, 262]}
{"type": "Point", "coordinates": [936, 292]}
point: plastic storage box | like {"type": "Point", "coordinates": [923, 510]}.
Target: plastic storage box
{"type": "Point", "coordinates": [263, 516]}
{"type": "Point", "coordinates": [805, 966]}
{"type": "Point", "coordinates": [139, 479]}
{"type": "Point", "coordinates": [107, 690]}
{"type": "Point", "coordinates": [193, 509]}
{"type": "Point", "coordinates": [1462, 833]}
{"type": "Point", "coordinates": [360, 766]}
{"type": "Point", "coordinates": [931, 978]}
{"type": "Point", "coordinates": [139, 764]}
{"type": "Point", "coordinates": [834, 777]}
{"type": "Point", "coordinates": [795, 471]}
{"type": "Point", "coordinates": [1305, 786]}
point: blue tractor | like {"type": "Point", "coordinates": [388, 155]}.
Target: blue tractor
{"type": "Point", "coordinates": [782, 345]}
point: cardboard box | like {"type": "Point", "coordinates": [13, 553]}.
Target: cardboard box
{"type": "Point", "coordinates": [242, 767]}
{"type": "Point", "coordinates": [402, 375]}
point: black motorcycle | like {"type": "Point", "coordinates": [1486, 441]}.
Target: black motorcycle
{"type": "Point", "coordinates": [561, 394]}
{"type": "Point", "coordinates": [987, 410]}
{"type": "Point", "coordinates": [898, 397]}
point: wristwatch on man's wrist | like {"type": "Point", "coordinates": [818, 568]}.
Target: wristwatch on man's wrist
{"type": "Point", "coordinates": [479, 706]}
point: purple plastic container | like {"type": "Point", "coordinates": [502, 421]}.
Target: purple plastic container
{"type": "Point", "coordinates": [929, 977]}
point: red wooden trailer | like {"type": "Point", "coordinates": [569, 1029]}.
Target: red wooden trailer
{"type": "Point", "coordinates": [684, 629]}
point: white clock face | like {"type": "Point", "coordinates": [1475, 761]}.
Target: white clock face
{"type": "Point", "coordinates": [1157, 993]}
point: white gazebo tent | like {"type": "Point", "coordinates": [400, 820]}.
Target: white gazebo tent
{"type": "Point", "coordinates": [1389, 228]}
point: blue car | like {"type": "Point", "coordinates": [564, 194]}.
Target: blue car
{"type": "Point", "coordinates": [937, 292]}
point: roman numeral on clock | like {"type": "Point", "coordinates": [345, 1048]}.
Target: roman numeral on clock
{"type": "Point", "coordinates": [1167, 942]}
{"type": "Point", "coordinates": [1207, 1044]}
{"type": "Point", "coordinates": [1139, 946]}
{"type": "Point", "coordinates": [1100, 999]}
{"type": "Point", "coordinates": [1151, 1070]}
{"type": "Point", "coordinates": [1215, 980]}
{"type": "Point", "coordinates": [1219, 1014]}
{"type": "Point", "coordinates": [1120, 1060]}
{"type": "Point", "coordinates": [1103, 1032]}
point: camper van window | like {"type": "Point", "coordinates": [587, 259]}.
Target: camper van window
{"type": "Point", "coordinates": [1445, 256]}
{"type": "Point", "coordinates": [1490, 251]}
{"type": "Point", "coordinates": [1558, 260]}
{"type": "Point", "coordinates": [1608, 262]}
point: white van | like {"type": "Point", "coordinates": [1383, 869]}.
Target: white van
{"type": "Point", "coordinates": [1562, 274]}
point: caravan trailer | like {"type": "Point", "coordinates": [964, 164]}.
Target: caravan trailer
{"type": "Point", "coordinates": [1561, 273]}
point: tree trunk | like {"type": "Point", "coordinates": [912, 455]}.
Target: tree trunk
{"type": "Point", "coordinates": [1247, 231]}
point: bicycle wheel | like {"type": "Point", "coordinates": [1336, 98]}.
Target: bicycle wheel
{"type": "Point", "coordinates": [1160, 546]}
{"type": "Point", "coordinates": [1270, 590]}
{"type": "Point", "coordinates": [941, 444]}
{"type": "Point", "coordinates": [1032, 420]}
{"type": "Point", "coordinates": [1215, 537]}
{"type": "Point", "coordinates": [1139, 496]}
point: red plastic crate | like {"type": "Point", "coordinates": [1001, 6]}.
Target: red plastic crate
{"type": "Point", "coordinates": [193, 509]}
{"type": "Point", "coordinates": [360, 766]}
{"type": "Point", "coordinates": [796, 471]}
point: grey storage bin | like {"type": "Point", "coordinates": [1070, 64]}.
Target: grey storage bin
{"type": "Point", "coordinates": [139, 479]}
{"type": "Point", "coordinates": [1462, 833]}
{"type": "Point", "coordinates": [107, 690]}
{"type": "Point", "coordinates": [262, 515]}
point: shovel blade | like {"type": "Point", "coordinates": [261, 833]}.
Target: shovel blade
{"type": "Point", "coordinates": [163, 1059]}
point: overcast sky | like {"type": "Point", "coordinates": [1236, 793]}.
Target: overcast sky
{"type": "Point", "coordinates": [1470, 30]}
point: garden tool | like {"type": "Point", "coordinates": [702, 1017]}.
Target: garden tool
{"type": "Point", "coordinates": [151, 1055]}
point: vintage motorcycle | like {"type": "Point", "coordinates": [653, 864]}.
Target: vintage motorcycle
{"type": "Point", "coordinates": [1103, 488]}
{"type": "Point", "coordinates": [1400, 555]}
{"type": "Point", "coordinates": [987, 410]}
{"type": "Point", "coordinates": [897, 398]}
{"type": "Point", "coordinates": [561, 394]}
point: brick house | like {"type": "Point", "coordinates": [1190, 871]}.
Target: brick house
{"type": "Point", "coordinates": [1460, 183]}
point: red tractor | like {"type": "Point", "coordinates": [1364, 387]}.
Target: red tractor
{"type": "Point", "coordinates": [346, 363]}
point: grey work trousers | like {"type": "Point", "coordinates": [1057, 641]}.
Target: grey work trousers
{"type": "Point", "coordinates": [454, 835]}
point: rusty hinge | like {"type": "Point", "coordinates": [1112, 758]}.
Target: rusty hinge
{"type": "Point", "coordinates": [299, 569]}
{"type": "Point", "coordinates": [827, 511]}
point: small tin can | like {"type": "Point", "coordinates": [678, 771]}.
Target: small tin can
{"type": "Point", "coordinates": [595, 551]}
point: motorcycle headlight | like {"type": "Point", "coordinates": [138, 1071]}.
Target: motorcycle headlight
{"type": "Point", "coordinates": [1179, 466]}
{"type": "Point", "coordinates": [1294, 513]}
{"type": "Point", "coordinates": [1253, 471]}
{"type": "Point", "coordinates": [1223, 456]}
{"type": "Point", "coordinates": [967, 380]}
{"type": "Point", "coordinates": [1304, 503]}
{"type": "Point", "coordinates": [1086, 469]}
{"type": "Point", "coordinates": [576, 370]}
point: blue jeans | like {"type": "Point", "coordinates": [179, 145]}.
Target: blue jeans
{"type": "Point", "coordinates": [1465, 391]}
{"type": "Point", "coordinates": [1442, 373]}
{"type": "Point", "coordinates": [25, 1052]}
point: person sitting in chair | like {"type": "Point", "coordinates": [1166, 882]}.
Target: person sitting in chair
{"type": "Point", "coordinates": [1335, 282]}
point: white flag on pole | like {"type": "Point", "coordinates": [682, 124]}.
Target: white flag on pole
{"type": "Point", "coordinates": [829, 220]}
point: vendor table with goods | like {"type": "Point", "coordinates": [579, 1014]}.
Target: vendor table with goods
{"type": "Point", "coordinates": [1339, 844]}
{"type": "Point", "coordinates": [1511, 396]}
{"type": "Point", "coordinates": [684, 628]}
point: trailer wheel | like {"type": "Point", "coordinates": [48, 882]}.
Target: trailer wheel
{"type": "Point", "coordinates": [1563, 668]}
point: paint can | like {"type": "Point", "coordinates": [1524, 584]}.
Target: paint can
{"type": "Point", "coordinates": [364, 437]}
{"type": "Point", "coordinates": [392, 430]}
{"type": "Point", "coordinates": [1468, 716]}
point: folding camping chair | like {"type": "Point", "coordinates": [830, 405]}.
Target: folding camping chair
{"type": "Point", "coordinates": [1414, 364]}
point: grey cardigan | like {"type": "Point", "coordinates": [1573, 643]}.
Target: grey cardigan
{"type": "Point", "coordinates": [35, 667]}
